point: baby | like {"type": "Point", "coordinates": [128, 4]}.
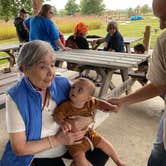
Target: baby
{"type": "Point", "coordinates": [82, 103]}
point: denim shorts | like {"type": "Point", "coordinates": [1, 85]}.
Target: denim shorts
{"type": "Point", "coordinates": [157, 156]}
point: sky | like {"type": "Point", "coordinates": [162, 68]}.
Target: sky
{"type": "Point", "coordinates": [110, 4]}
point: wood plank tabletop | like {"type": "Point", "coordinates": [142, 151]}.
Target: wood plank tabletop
{"type": "Point", "coordinates": [8, 46]}
{"type": "Point", "coordinates": [101, 58]}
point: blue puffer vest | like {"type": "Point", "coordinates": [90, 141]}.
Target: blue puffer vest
{"type": "Point", "coordinates": [29, 103]}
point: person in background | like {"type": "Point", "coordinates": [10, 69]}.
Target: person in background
{"type": "Point", "coordinates": [143, 67]}
{"type": "Point", "coordinates": [139, 48]}
{"type": "Point", "coordinates": [22, 32]}
{"type": "Point", "coordinates": [41, 27]}
{"type": "Point", "coordinates": [113, 40]}
{"type": "Point", "coordinates": [82, 103]}
{"type": "Point", "coordinates": [78, 41]}
{"type": "Point", "coordinates": [157, 86]}
{"type": "Point", "coordinates": [34, 137]}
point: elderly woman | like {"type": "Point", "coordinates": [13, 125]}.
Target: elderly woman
{"type": "Point", "coordinates": [42, 28]}
{"type": "Point", "coordinates": [113, 40]}
{"type": "Point", "coordinates": [34, 137]}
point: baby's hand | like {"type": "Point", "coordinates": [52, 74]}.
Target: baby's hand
{"type": "Point", "coordinates": [66, 126]}
{"type": "Point", "coordinates": [108, 107]}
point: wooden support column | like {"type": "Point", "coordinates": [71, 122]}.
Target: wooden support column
{"type": "Point", "coordinates": [36, 6]}
{"type": "Point", "coordinates": [147, 37]}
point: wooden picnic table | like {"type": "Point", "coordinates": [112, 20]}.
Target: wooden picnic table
{"type": "Point", "coordinates": [103, 61]}
{"type": "Point", "coordinates": [129, 40]}
{"type": "Point", "coordinates": [10, 49]}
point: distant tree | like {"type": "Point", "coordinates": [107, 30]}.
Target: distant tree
{"type": "Point", "coordinates": [62, 12]}
{"type": "Point", "coordinates": [55, 10]}
{"type": "Point", "coordinates": [71, 7]}
{"type": "Point", "coordinates": [145, 9]}
{"type": "Point", "coordinates": [92, 6]}
{"type": "Point", "coordinates": [130, 12]}
{"type": "Point", "coordinates": [10, 8]}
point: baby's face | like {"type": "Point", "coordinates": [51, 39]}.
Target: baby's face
{"type": "Point", "coordinates": [79, 92]}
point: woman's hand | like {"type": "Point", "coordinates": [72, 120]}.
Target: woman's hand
{"type": "Point", "coordinates": [79, 122]}
{"type": "Point", "coordinates": [69, 138]}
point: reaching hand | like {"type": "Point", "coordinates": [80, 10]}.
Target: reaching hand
{"type": "Point", "coordinates": [115, 101]}
{"type": "Point", "coordinates": [108, 107]}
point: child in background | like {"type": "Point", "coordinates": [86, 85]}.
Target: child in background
{"type": "Point", "coordinates": [143, 67]}
{"type": "Point", "coordinates": [82, 103]}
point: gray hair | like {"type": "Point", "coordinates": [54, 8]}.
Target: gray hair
{"type": "Point", "coordinates": [32, 52]}
{"type": "Point", "coordinates": [112, 24]}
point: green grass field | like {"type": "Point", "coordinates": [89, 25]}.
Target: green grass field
{"type": "Point", "coordinates": [126, 27]}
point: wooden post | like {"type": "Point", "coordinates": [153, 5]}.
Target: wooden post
{"type": "Point", "coordinates": [147, 37]}
{"type": "Point", "coordinates": [36, 6]}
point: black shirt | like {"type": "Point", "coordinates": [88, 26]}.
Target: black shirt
{"type": "Point", "coordinates": [115, 42]}
{"type": "Point", "coordinates": [22, 33]}
{"type": "Point", "coordinates": [77, 43]}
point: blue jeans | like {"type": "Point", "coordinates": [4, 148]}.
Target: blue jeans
{"type": "Point", "coordinates": [158, 156]}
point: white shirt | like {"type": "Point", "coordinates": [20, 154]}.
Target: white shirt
{"type": "Point", "coordinates": [16, 124]}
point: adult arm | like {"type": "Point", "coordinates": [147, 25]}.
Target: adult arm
{"type": "Point", "coordinates": [148, 91]}
{"type": "Point", "coordinates": [105, 106]}
{"type": "Point", "coordinates": [54, 35]}
{"type": "Point", "coordinates": [21, 146]}
{"type": "Point", "coordinates": [60, 44]}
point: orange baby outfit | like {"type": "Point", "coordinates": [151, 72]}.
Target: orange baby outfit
{"type": "Point", "coordinates": [66, 109]}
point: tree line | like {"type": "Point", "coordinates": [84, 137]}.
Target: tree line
{"type": "Point", "coordinates": [9, 8]}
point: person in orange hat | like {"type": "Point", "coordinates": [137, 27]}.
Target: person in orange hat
{"type": "Point", "coordinates": [78, 40]}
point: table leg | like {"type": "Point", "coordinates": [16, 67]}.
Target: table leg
{"type": "Point", "coordinates": [128, 50]}
{"type": "Point", "coordinates": [106, 83]}
{"type": "Point", "coordinates": [12, 58]}
{"type": "Point", "coordinates": [125, 76]}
